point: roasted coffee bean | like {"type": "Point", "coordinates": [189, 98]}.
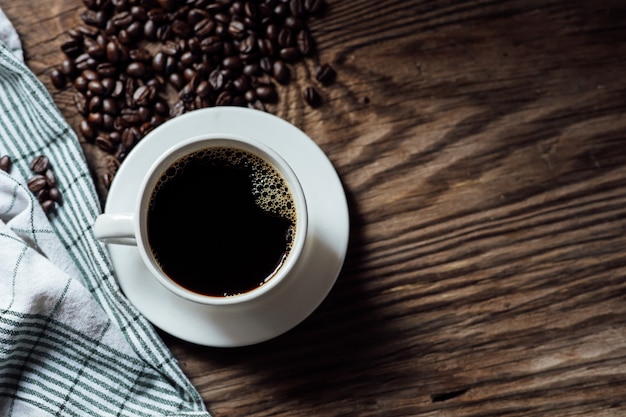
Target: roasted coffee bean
{"type": "Point", "coordinates": [314, 6]}
{"type": "Point", "coordinates": [122, 19]}
{"type": "Point", "coordinates": [294, 23]}
{"type": "Point", "coordinates": [312, 97]}
{"type": "Point", "coordinates": [95, 104]}
{"type": "Point", "coordinates": [325, 74]}
{"type": "Point", "coordinates": [104, 143]}
{"type": "Point", "coordinates": [266, 64]}
{"type": "Point", "coordinates": [86, 129]}
{"type": "Point", "coordinates": [297, 7]}
{"type": "Point", "coordinates": [252, 69]}
{"type": "Point", "coordinates": [37, 183]}
{"type": "Point", "coordinates": [181, 28]}
{"type": "Point", "coordinates": [5, 163]}
{"type": "Point", "coordinates": [108, 85]}
{"type": "Point", "coordinates": [71, 47]}
{"type": "Point", "coordinates": [135, 30]}
{"type": "Point", "coordinates": [305, 42]}
{"type": "Point", "coordinates": [51, 179]}
{"type": "Point", "coordinates": [241, 84]}
{"type": "Point", "coordinates": [112, 52]}
{"type": "Point", "coordinates": [236, 29]}
{"type": "Point", "coordinates": [68, 67]}
{"type": "Point", "coordinates": [216, 79]}
{"type": "Point", "coordinates": [95, 87]}
{"type": "Point", "coordinates": [81, 103]}
{"type": "Point", "coordinates": [48, 206]}
{"type": "Point", "coordinates": [96, 51]}
{"type": "Point", "coordinates": [90, 75]}
{"type": "Point", "coordinates": [140, 54]}
{"type": "Point", "coordinates": [266, 93]}
{"type": "Point", "coordinates": [149, 30]}
{"type": "Point", "coordinates": [204, 28]}
{"type": "Point", "coordinates": [118, 89]}
{"type": "Point", "coordinates": [106, 70]}
{"type": "Point", "coordinates": [57, 78]}
{"type": "Point", "coordinates": [39, 164]}
{"type": "Point", "coordinates": [137, 69]}
{"type": "Point", "coordinates": [177, 80]}
{"type": "Point", "coordinates": [232, 63]}
{"type": "Point", "coordinates": [281, 72]}
{"type": "Point", "coordinates": [109, 106]}
{"type": "Point", "coordinates": [203, 89]}
{"type": "Point", "coordinates": [54, 194]}
{"type": "Point", "coordinates": [144, 95]}
{"type": "Point", "coordinates": [290, 54]}
{"type": "Point", "coordinates": [43, 195]}
{"type": "Point", "coordinates": [158, 62]}
{"type": "Point", "coordinates": [95, 119]}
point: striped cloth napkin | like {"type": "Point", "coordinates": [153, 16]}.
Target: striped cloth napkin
{"type": "Point", "coordinates": [70, 343]}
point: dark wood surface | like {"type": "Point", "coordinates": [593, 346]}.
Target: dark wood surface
{"type": "Point", "coordinates": [482, 145]}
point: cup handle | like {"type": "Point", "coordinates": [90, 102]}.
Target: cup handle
{"type": "Point", "coordinates": [115, 228]}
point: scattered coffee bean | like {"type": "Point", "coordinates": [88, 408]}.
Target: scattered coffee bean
{"type": "Point", "coordinates": [325, 74]}
{"type": "Point", "coordinates": [126, 54]}
{"type": "Point", "coordinates": [40, 164]}
{"type": "Point", "coordinates": [57, 78]}
{"type": "Point", "coordinates": [37, 183]}
{"type": "Point", "coordinates": [44, 183]}
{"type": "Point", "coordinates": [5, 163]}
{"type": "Point", "coordinates": [312, 97]}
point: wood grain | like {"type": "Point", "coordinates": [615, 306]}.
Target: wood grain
{"type": "Point", "coordinates": [482, 148]}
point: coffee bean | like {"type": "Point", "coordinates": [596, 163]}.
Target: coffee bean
{"type": "Point", "coordinates": [312, 97]}
{"type": "Point", "coordinates": [51, 179]}
{"type": "Point", "coordinates": [290, 54]}
{"type": "Point", "coordinates": [314, 6]}
{"type": "Point", "coordinates": [71, 47]}
{"type": "Point", "coordinates": [181, 28]}
{"type": "Point", "coordinates": [5, 163]}
{"type": "Point", "coordinates": [106, 70]}
{"type": "Point", "coordinates": [57, 78]}
{"type": "Point", "coordinates": [39, 164]}
{"type": "Point", "coordinates": [95, 104]}
{"type": "Point", "coordinates": [109, 106]}
{"type": "Point", "coordinates": [232, 63]}
{"type": "Point", "coordinates": [95, 119]}
{"type": "Point", "coordinates": [95, 87]}
{"type": "Point", "coordinates": [104, 143]}
{"type": "Point", "coordinates": [55, 195]}
{"type": "Point", "coordinates": [325, 74]}
{"type": "Point", "coordinates": [266, 93]}
{"type": "Point", "coordinates": [86, 129]}
{"type": "Point", "coordinates": [305, 42]}
{"type": "Point", "coordinates": [204, 28]}
{"type": "Point", "coordinates": [281, 72]}
{"type": "Point", "coordinates": [37, 183]}
{"type": "Point", "coordinates": [68, 67]}
{"type": "Point", "coordinates": [137, 69]}
{"type": "Point", "coordinates": [48, 206]}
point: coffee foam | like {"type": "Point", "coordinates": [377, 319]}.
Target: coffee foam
{"type": "Point", "coordinates": [269, 188]}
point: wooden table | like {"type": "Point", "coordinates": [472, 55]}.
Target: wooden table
{"type": "Point", "coordinates": [482, 146]}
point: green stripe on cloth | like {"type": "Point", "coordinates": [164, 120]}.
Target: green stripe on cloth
{"type": "Point", "coordinates": [70, 342]}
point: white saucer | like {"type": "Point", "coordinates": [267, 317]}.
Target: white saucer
{"type": "Point", "coordinates": [313, 275]}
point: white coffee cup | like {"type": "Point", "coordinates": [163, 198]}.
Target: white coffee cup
{"type": "Point", "coordinates": [132, 228]}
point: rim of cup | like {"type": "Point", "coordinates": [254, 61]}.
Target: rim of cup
{"type": "Point", "coordinates": [191, 145]}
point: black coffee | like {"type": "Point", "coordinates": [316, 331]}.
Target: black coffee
{"type": "Point", "coordinates": [221, 221]}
